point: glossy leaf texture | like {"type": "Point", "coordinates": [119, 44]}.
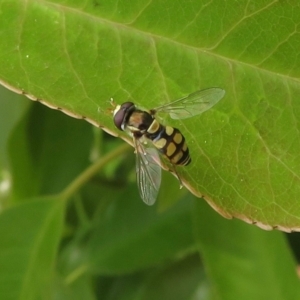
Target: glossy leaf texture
{"type": "Point", "coordinates": [75, 57]}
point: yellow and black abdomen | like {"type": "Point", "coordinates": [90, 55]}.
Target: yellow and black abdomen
{"type": "Point", "coordinates": [170, 142]}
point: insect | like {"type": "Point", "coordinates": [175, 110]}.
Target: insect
{"type": "Point", "coordinates": [167, 140]}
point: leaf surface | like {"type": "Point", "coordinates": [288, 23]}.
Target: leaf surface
{"type": "Point", "coordinates": [245, 151]}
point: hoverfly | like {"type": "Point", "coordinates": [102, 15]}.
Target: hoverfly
{"type": "Point", "coordinates": [167, 140]}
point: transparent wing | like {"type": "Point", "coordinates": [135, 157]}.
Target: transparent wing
{"type": "Point", "coordinates": [193, 104]}
{"type": "Point", "coordinates": [148, 172]}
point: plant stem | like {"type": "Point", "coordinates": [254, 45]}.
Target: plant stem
{"type": "Point", "coordinates": [84, 177]}
{"type": "Point", "coordinates": [76, 274]}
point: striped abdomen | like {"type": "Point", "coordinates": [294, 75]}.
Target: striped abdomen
{"type": "Point", "coordinates": [170, 142]}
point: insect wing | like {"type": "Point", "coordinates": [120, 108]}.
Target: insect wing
{"type": "Point", "coordinates": [193, 104]}
{"type": "Point", "coordinates": [148, 172]}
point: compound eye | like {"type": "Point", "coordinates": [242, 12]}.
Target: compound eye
{"type": "Point", "coordinates": [121, 113]}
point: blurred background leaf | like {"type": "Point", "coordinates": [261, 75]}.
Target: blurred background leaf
{"type": "Point", "coordinates": [30, 234]}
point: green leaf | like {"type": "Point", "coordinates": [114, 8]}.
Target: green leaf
{"type": "Point", "coordinates": [46, 151]}
{"type": "Point", "coordinates": [245, 151]}
{"type": "Point", "coordinates": [180, 280]}
{"type": "Point", "coordinates": [11, 108]}
{"type": "Point", "coordinates": [244, 262]}
{"type": "Point", "coordinates": [82, 288]}
{"type": "Point", "coordinates": [29, 240]}
{"type": "Point", "coordinates": [130, 236]}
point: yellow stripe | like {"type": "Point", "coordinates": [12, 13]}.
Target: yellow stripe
{"type": "Point", "coordinates": [177, 138]}
{"type": "Point", "coordinates": [169, 130]}
{"type": "Point", "coordinates": [177, 157]}
{"type": "Point", "coordinates": [160, 143]}
{"type": "Point", "coordinates": [184, 147]}
{"type": "Point", "coordinates": [153, 127]}
{"type": "Point", "coordinates": [171, 148]}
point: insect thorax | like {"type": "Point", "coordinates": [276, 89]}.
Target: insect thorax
{"type": "Point", "coordinates": [140, 121]}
